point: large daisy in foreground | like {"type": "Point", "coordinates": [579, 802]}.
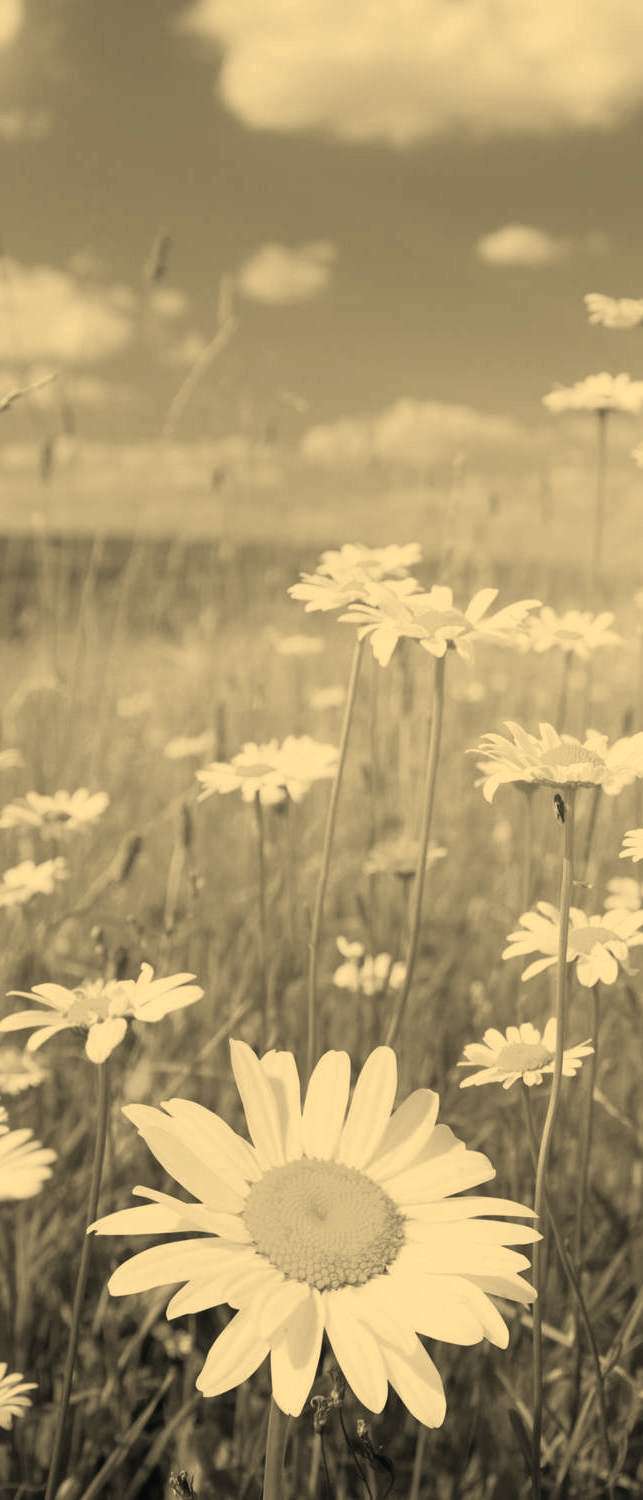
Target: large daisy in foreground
{"type": "Point", "coordinates": [338, 1220]}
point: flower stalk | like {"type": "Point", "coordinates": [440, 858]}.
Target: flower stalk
{"type": "Point", "coordinates": [276, 1440]}
{"type": "Point", "coordinates": [586, 1134]}
{"type": "Point", "coordinates": [263, 921]}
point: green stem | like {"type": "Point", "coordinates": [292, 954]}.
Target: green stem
{"type": "Point", "coordinates": [102, 1118]}
{"type": "Point", "coordinates": [263, 922]}
{"type": "Point", "coordinates": [278, 1425]}
{"type": "Point", "coordinates": [331, 819]}
{"type": "Point", "coordinates": [433, 757]}
{"type": "Point", "coordinates": [418, 1463]}
{"type": "Point", "coordinates": [566, 886]}
{"type": "Point", "coordinates": [599, 505]}
{"type": "Point", "coordinates": [586, 1133]}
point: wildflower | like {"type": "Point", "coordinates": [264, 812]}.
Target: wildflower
{"type": "Point", "coordinates": [328, 697]}
{"type": "Point", "coordinates": [557, 760]}
{"type": "Point", "coordinates": [399, 856]}
{"type": "Point", "coordinates": [303, 760]}
{"type": "Point", "coordinates": [393, 561]}
{"type": "Point", "coordinates": [614, 312]}
{"type": "Point", "coordinates": [625, 894]}
{"type": "Point", "coordinates": [24, 1164]}
{"type": "Point", "coordinates": [185, 746]}
{"type": "Point", "coordinates": [575, 632]}
{"type": "Point", "coordinates": [133, 705]}
{"type": "Point", "coordinates": [365, 973]}
{"type": "Point", "coordinates": [299, 645]}
{"type": "Point", "coordinates": [18, 1072]}
{"type": "Point", "coordinates": [389, 615]}
{"type": "Point", "coordinates": [101, 1008]}
{"type": "Point", "coordinates": [329, 1222]}
{"type": "Point", "coordinates": [271, 771]}
{"type": "Point", "coordinates": [598, 393]}
{"type": "Point", "coordinates": [65, 812]}
{"type": "Point", "coordinates": [19, 884]}
{"type": "Point", "coordinates": [632, 845]}
{"type": "Point", "coordinates": [519, 1052]}
{"type": "Point", "coordinates": [597, 945]}
{"type": "Point", "coordinates": [11, 760]}
{"type": "Point", "coordinates": [343, 577]}
{"type": "Point", "coordinates": [13, 1401]}
{"type": "Point", "coordinates": [637, 455]}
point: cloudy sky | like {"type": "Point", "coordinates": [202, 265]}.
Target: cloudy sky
{"type": "Point", "coordinates": [404, 201]}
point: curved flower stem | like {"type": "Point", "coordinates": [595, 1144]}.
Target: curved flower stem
{"type": "Point", "coordinates": [599, 504]}
{"type": "Point", "coordinates": [102, 1118]}
{"type": "Point", "coordinates": [263, 923]}
{"type": "Point", "coordinates": [586, 1133]}
{"type": "Point", "coordinates": [433, 757]}
{"type": "Point", "coordinates": [278, 1425]}
{"type": "Point", "coordinates": [566, 885]}
{"type": "Point", "coordinates": [331, 819]}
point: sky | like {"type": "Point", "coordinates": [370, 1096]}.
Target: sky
{"type": "Point", "coordinates": [404, 200]}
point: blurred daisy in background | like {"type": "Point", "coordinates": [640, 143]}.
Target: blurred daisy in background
{"type": "Point", "coordinates": [598, 393]}
{"type": "Point", "coordinates": [134, 705]}
{"type": "Point", "coordinates": [338, 1220]}
{"type": "Point", "coordinates": [19, 884]}
{"type": "Point", "coordinates": [632, 845]}
{"type": "Point", "coordinates": [342, 577]}
{"type": "Point", "coordinates": [576, 631]}
{"type": "Point", "coordinates": [298, 645]}
{"type": "Point", "coordinates": [19, 1072]}
{"type": "Point", "coordinates": [399, 856]}
{"type": "Point", "coordinates": [614, 312]}
{"type": "Point", "coordinates": [557, 760]}
{"type": "Point", "coordinates": [64, 812]}
{"type": "Point", "coordinates": [13, 1399]}
{"type": "Point", "coordinates": [520, 1052]}
{"type": "Point", "coordinates": [597, 945]}
{"type": "Point", "coordinates": [101, 1008]}
{"type": "Point", "coordinates": [185, 747]}
{"type": "Point", "coordinates": [366, 973]}
{"type": "Point", "coordinates": [392, 561]}
{"type": "Point", "coordinates": [271, 771]}
{"type": "Point", "coordinates": [624, 894]}
{"type": "Point", "coordinates": [387, 616]}
{"type": "Point", "coordinates": [11, 760]}
{"type": "Point", "coordinates": [328, 697]}
{"type": "Point", "coordinates": [25, 1164]}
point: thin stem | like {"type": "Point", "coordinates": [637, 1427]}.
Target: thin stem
{"type": "Point", "coordinates": [599, 504]}
{"type": "Point", "coordinates": [432, 760]}
{"type": "Point", "coordinates": [591, 829]}
{"type": "Point", "coordinates": [102, 1119]}
{"type": "Point", "coordinates": [418, 1463]}
{"type": "Point", "coordinates": [331, 819]}
{"type": "Point", "coordinates": [527, 847]}
{"type": "Point", "coordinates": [276, 1439]}
{"type": "Point", "coordinates": [263, 922]}
{"type": "Point", "coordinates": [561, 713]}
{"type": "Point", "coordinates": [586, 1133]}
{"type": "Point", "coordinates": [566, 886]}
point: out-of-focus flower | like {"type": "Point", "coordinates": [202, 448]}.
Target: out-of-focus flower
{"type": "Point", "coordinates": [598, 393]}
{"type": "Point", "coordinates": [64, 812]}
{"type": "Point", "coordinates": [519, 1053]}
{"type": "Point", "coordinates": [101, 1008]}
{"type": "Point", "coordinates": [557, 760]}
{"type": "Point", "coordinates": [366, 973]}
{"type": "Point", "coordinates": [614, 312]}
{"type": "Point", "coordinates": [597, 945]}
{"type": "Point", "coordinates": [184, 747]}
{"type": "Point", "coordinates": [335, 1222]}
{"type": "Point", "coordinates": [18, 1072]}
{"type": "Point", "coordinates": [637, 455]}
{"type": "Point", "coordinates": [399, 856]}
{"type": "Point", "coordinates": [271, 771]}
{"type": "Point", "coordinates": [343, 577]}
{"type": "Point", "coordinates": [19, 884]}
{"type": "Point", "coordinates": [328, 697]}
{"type": "Point", "coordinates": [13, 1400]}
{"type": "Point", "coordinates": [11, 760]}
{"type": "Point", "coordinates": [625, 894]}
{"type": "Point", "coordinates": [388, 616]}
{"type": "Point", "coordinates": [134, 705]}
{"type": "Point", "coordinates": [299, 645]}
{"type": "Point", "coordinates": [576, 632]}
{"type": "Point", "coordinates": [393, 561]}
{"type": "Point", "coordinates": [632, 845]}
{"type": "Point", "coordinates": [303, 760]}
{"type": "Point", "coordinates": [24, 1164]}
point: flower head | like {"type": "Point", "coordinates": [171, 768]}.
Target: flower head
{"type": "Point", "coordinates": [65, 812]}
{"type": "Point", "coordinates": [101, 1008]}
{"type": "Point", "coordinates": [390, 613]}
{"type": "Point", "coordinates": [187, 747]}
{"type": "Point", "coordinates": [366, 973]}
{"type": "Point", "coordinates": [596, 945]}
{"type": "Point", "coordinates": [519, 1052]}
{"type": "Point", "coordinates": [11, 760]}
{"type": "Point", "coordinates": [299, 645]}
{"type": "Point", "coordinates": [598, 393]}
{"type": "Point", "coordinates": [393, 561]}
{"type": "Point", "coordinates": [614, 312]}
{"type": "Point", "coordinates": [13, 1401]}
{"type": "Point", "coordinates": [575, 632]}
{"type": "Point", "coordinates": [338, 1220]}
{"type": "Point", "coordinates": [19, 884]}
{"type": "Point", "coordinates": [18, 1072]}
{"type": "Point", "coordinates": [624, 894]}
{"type": "Point", "coordinates": [399, 856]}
{"type": "Point", "coordinates": [271, 771]}
{"type": "Point", "coordinates": [632, 845]}
{"type": "Point", "coordinates": [24, 1164]}
{"type": "Point", "coordinates": [557, 760]}
{"type": "Point", "coordinates": [343, 577]}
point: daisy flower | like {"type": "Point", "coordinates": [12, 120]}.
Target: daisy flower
{"type": "Point", "coordinates": [598, 393]}
{"type": "Point", "coordinates": [389, 615]}
{"type": "Point", "coordinates": [576, 632]}
{"type": "Point", "coordinates": [18, 1072]}
{"type": "Point", "coordinates": [65, 812]}
{"type": "Point", "coordinates": [328, 697]}
{"type": "Point", "coordinates": [299, 645]}
{"type": "Point", "coordinates": [597, 945]}
{"type": "Point", "coordinates": [331, 1221]}
{"type": "Point", "coordinates": [399, 856]}
{"type": "Point", "coordinates": [24, 1164]}
{"type": "Point", "coordinates": [366, 973]}
{"type": "Point", "coordinates": [13, 1401]}
{"type": "Point", "coordinates": [557, 760]}
{"type": "Point", "coordinates": [614, 312]}
{"type": "Point", "coordinates": [624, 895]}
{"type": "Point", "coordinates": [519, 1052]}
{"type": "Point", "coordinates": [186, 746]}
{"type": "Point", "coordinates": [271, 771]}
{"type": "Point", "coordinates": [11, 760]}
{"type": "Point", "coordinates": [101, 1008]}
{"type": "Point", "coordinates": [393, 561]}
{"type": "Point", "coordinates": [342, 577]}
{"type": "Point", "coordinates": [632, 845]}
{"type": "Point", "coordinates": [19, 884]}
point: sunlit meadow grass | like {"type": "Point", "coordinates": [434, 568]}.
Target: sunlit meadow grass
{"type": "Point", "coordinates": [108, 655]}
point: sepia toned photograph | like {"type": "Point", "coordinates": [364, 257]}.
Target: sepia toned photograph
{"type": "Point", "coordinates": [321, 749]}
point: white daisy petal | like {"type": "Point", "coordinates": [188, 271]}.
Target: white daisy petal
{"type": "Point", "coordinates": [103, 1037]}
{"type": "Point", "coordinates": [236, 1280]}
{"type": "Point", "coordinates": [279, 1305]}
{"type": "Point", "coordinates": [234, 1356]}
{"type": "Point", "coordinates": [295, 1355]}
{"type": "Point", "coordinates": [356, 1349]}
{"type": "Point", "coordinates": [163, 1264]}
{"type": "Point", "coordinates": [325, 1105]}
{"type": "Point", "coordinates": [231, 1154]}
{"type": "Point", "coordinates": [418, 1383]}
{"type": "Point", "coordinates": [281, 1069]}
{"type": "Point", "coordinates": [181, 1163]}
{"type": "Point", "coordinates": [259, 1104]}
{"type": "Point", "coordinates": [370, 1108]}
{"type": "Point", "coordinates": [406, 1134]}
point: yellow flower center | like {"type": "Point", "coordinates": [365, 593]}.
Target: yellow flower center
{"type": "Point", "coordinates": [571, 765]}
{"type": "Point", "coordinates": [323, 1223]}
{"type": "Point", "coordinates": [523, 1057]}
{"type": "Point", "coordinates": [584, 939]}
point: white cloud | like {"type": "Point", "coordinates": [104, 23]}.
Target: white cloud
{"type": "Point", "coordinates": [279, 273]}
{"type": "Point", "coordinates": [412, 434]}
{"type": "Point", "coordinates": [47, 314]}
{"type": "Point", "coordinates": [409, 69]}
{"type": "Point", "coordinates": [24, 124]}
{"type": "Point", "coordinates": [11, 18]}
{"type": "Point", "coordinates": [522, 245]}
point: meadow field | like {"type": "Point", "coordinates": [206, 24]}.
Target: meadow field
{"type": "Point", "coordinates": [127, 665]}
